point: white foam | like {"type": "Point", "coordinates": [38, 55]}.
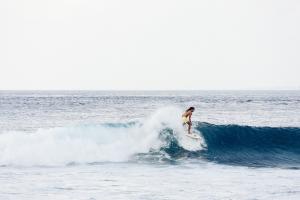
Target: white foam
{"type": "Point", "coordinates": [87, 144]}
{"type": "Point", "coordinates": [170, 116]}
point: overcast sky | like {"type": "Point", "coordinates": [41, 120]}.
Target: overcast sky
{"type": "Point", "coordinates": [149, 44]}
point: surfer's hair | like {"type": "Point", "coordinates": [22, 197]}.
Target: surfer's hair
{"type": "Point", "coordinates": [190, 109]}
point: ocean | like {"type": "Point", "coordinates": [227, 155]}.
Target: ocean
{"type": "Point", "coordinates": [90, 145]}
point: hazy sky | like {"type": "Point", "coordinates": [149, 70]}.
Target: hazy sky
{"type": "Point", "coordinates": [149, 44]}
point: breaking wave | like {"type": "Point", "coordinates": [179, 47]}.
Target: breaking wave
{"type": "Point", "coordinates": [158, 138]}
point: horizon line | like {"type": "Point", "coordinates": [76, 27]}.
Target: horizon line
{"type": "Point", "coordinates": [158, 90]}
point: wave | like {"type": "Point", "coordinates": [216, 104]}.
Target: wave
{"type": "Point", "coordinates": [158, 138]}
{"type": "Point", "coordinates": [111, 142]}
{"type": "Point", "coordinates": [245, 145]}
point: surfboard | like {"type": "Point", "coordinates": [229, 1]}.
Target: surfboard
{"type": "Point", "coordinates": [194, 136]}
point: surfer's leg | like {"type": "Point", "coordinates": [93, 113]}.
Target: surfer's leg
{"type": "Point", "coordinates": [189, 127]}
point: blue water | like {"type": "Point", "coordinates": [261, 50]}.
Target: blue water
{"type": "Point", "coordinates": [131, 145]}
{"type": "Point", "coordinates": [245, 145]}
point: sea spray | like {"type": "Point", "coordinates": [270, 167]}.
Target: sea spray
{"type": "Point", "coordinates": [89, 143]}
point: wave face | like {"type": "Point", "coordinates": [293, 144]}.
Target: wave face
{"type": "Point", "coordinates": [157, 139]}
{"type": "Point", "coordinates": [246, 145]}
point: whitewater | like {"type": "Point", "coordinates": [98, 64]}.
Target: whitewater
{"type": "Point", "coordinates": [131, 145]}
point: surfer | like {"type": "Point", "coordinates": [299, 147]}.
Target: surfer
{"type": "Point", "coordinates": [187, 118]}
